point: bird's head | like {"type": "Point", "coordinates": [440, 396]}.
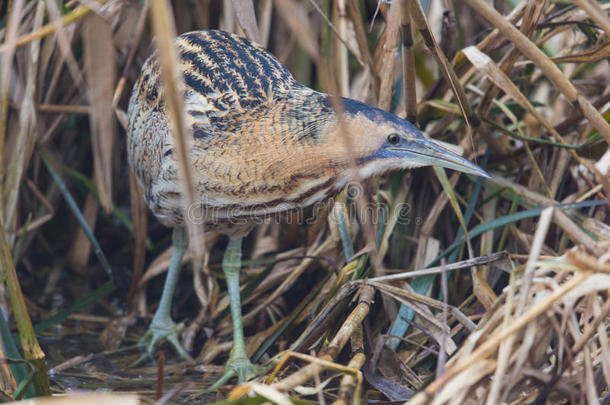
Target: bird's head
{"type": "Point", "coordinates": [381, 142]}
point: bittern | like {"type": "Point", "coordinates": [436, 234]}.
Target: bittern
{"type": "Point", "coordinates": [262, 144]}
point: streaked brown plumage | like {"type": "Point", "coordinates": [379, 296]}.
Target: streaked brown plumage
{"type": "Point", "coordinates": [262, 143]}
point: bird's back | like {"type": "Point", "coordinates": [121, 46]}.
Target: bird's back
{"type": "Point", "coordinates": [253, 132]}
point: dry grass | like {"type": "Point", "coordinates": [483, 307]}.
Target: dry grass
{"type": "Point", "coordinates": [344, 311]}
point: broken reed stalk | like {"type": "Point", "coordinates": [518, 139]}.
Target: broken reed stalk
{"type": "Point", "coordinates": [353, 321]}
{"type": "Point", "coordinates": [349, 385]}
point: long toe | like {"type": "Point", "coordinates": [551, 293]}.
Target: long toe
{"type": "Point", "coordinates": [241, 368]}
{"type": "Point", "coordinates": [244, 369]}
{"type": "Point", "coordinates": [167, 331]}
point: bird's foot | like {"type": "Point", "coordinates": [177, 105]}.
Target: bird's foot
{"type": "Point", "coordinates": [158, 331]}
{"type": "Point", "coordinates": [239, 367]}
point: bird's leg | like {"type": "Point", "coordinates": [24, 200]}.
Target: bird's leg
{"type": "Point", "coordinates": [239, 365]}
{"type": "Point", "coordinates": [162, 326]}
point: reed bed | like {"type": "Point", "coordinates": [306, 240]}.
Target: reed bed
{"type": "Point", "coordinates": [420, 287]}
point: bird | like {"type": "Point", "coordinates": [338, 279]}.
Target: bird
{"type": "Point", "coordinates": [262, 144]}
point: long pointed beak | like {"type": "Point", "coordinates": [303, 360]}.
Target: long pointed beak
{"type": "Point", "coordinates": [426, 152]}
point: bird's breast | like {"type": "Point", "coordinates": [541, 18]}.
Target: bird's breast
{"type": "Point", "coordinates": [259, 173]}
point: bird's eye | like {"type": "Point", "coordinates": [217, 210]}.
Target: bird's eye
{"type": "Point", "coordinates": [393, 139]}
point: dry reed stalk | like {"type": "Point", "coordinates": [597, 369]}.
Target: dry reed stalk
{"type": "Point", "coordinates": [348, 384]}
{"type": "Point", "coordinates": [594, 54]}
{"type": "Point", "coordinates": [408, 63]}
{"type": "Point", "coordinates": [173, 85]}
{"type": "Point", "coordinates": [23, 145]}
{"type": "Point", "coordinates": [140, 221]}
{"type": "Point", "coordinates": [341, 54]}
{"type": "Point", "coordinates": [477, 261]}
{"type": "Point", "coordinates": [390, 47]}
{"type": "Point", "coordinates": [8, 51]}
{"type": "Point", "coordinates": [265, 8]}
{"type": "Point", "coordinates": [352, 322]}
{"type": "Point", "coordinates": [505, 348]}
{"type": "Point", "coordinates": [227, 19]}
{"type": "Point", "coordinates": [67, 109]}
{"type": "Point", "coordinates": [244, 10]}
{"type": "Point", "coordinates": [101, 81]}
